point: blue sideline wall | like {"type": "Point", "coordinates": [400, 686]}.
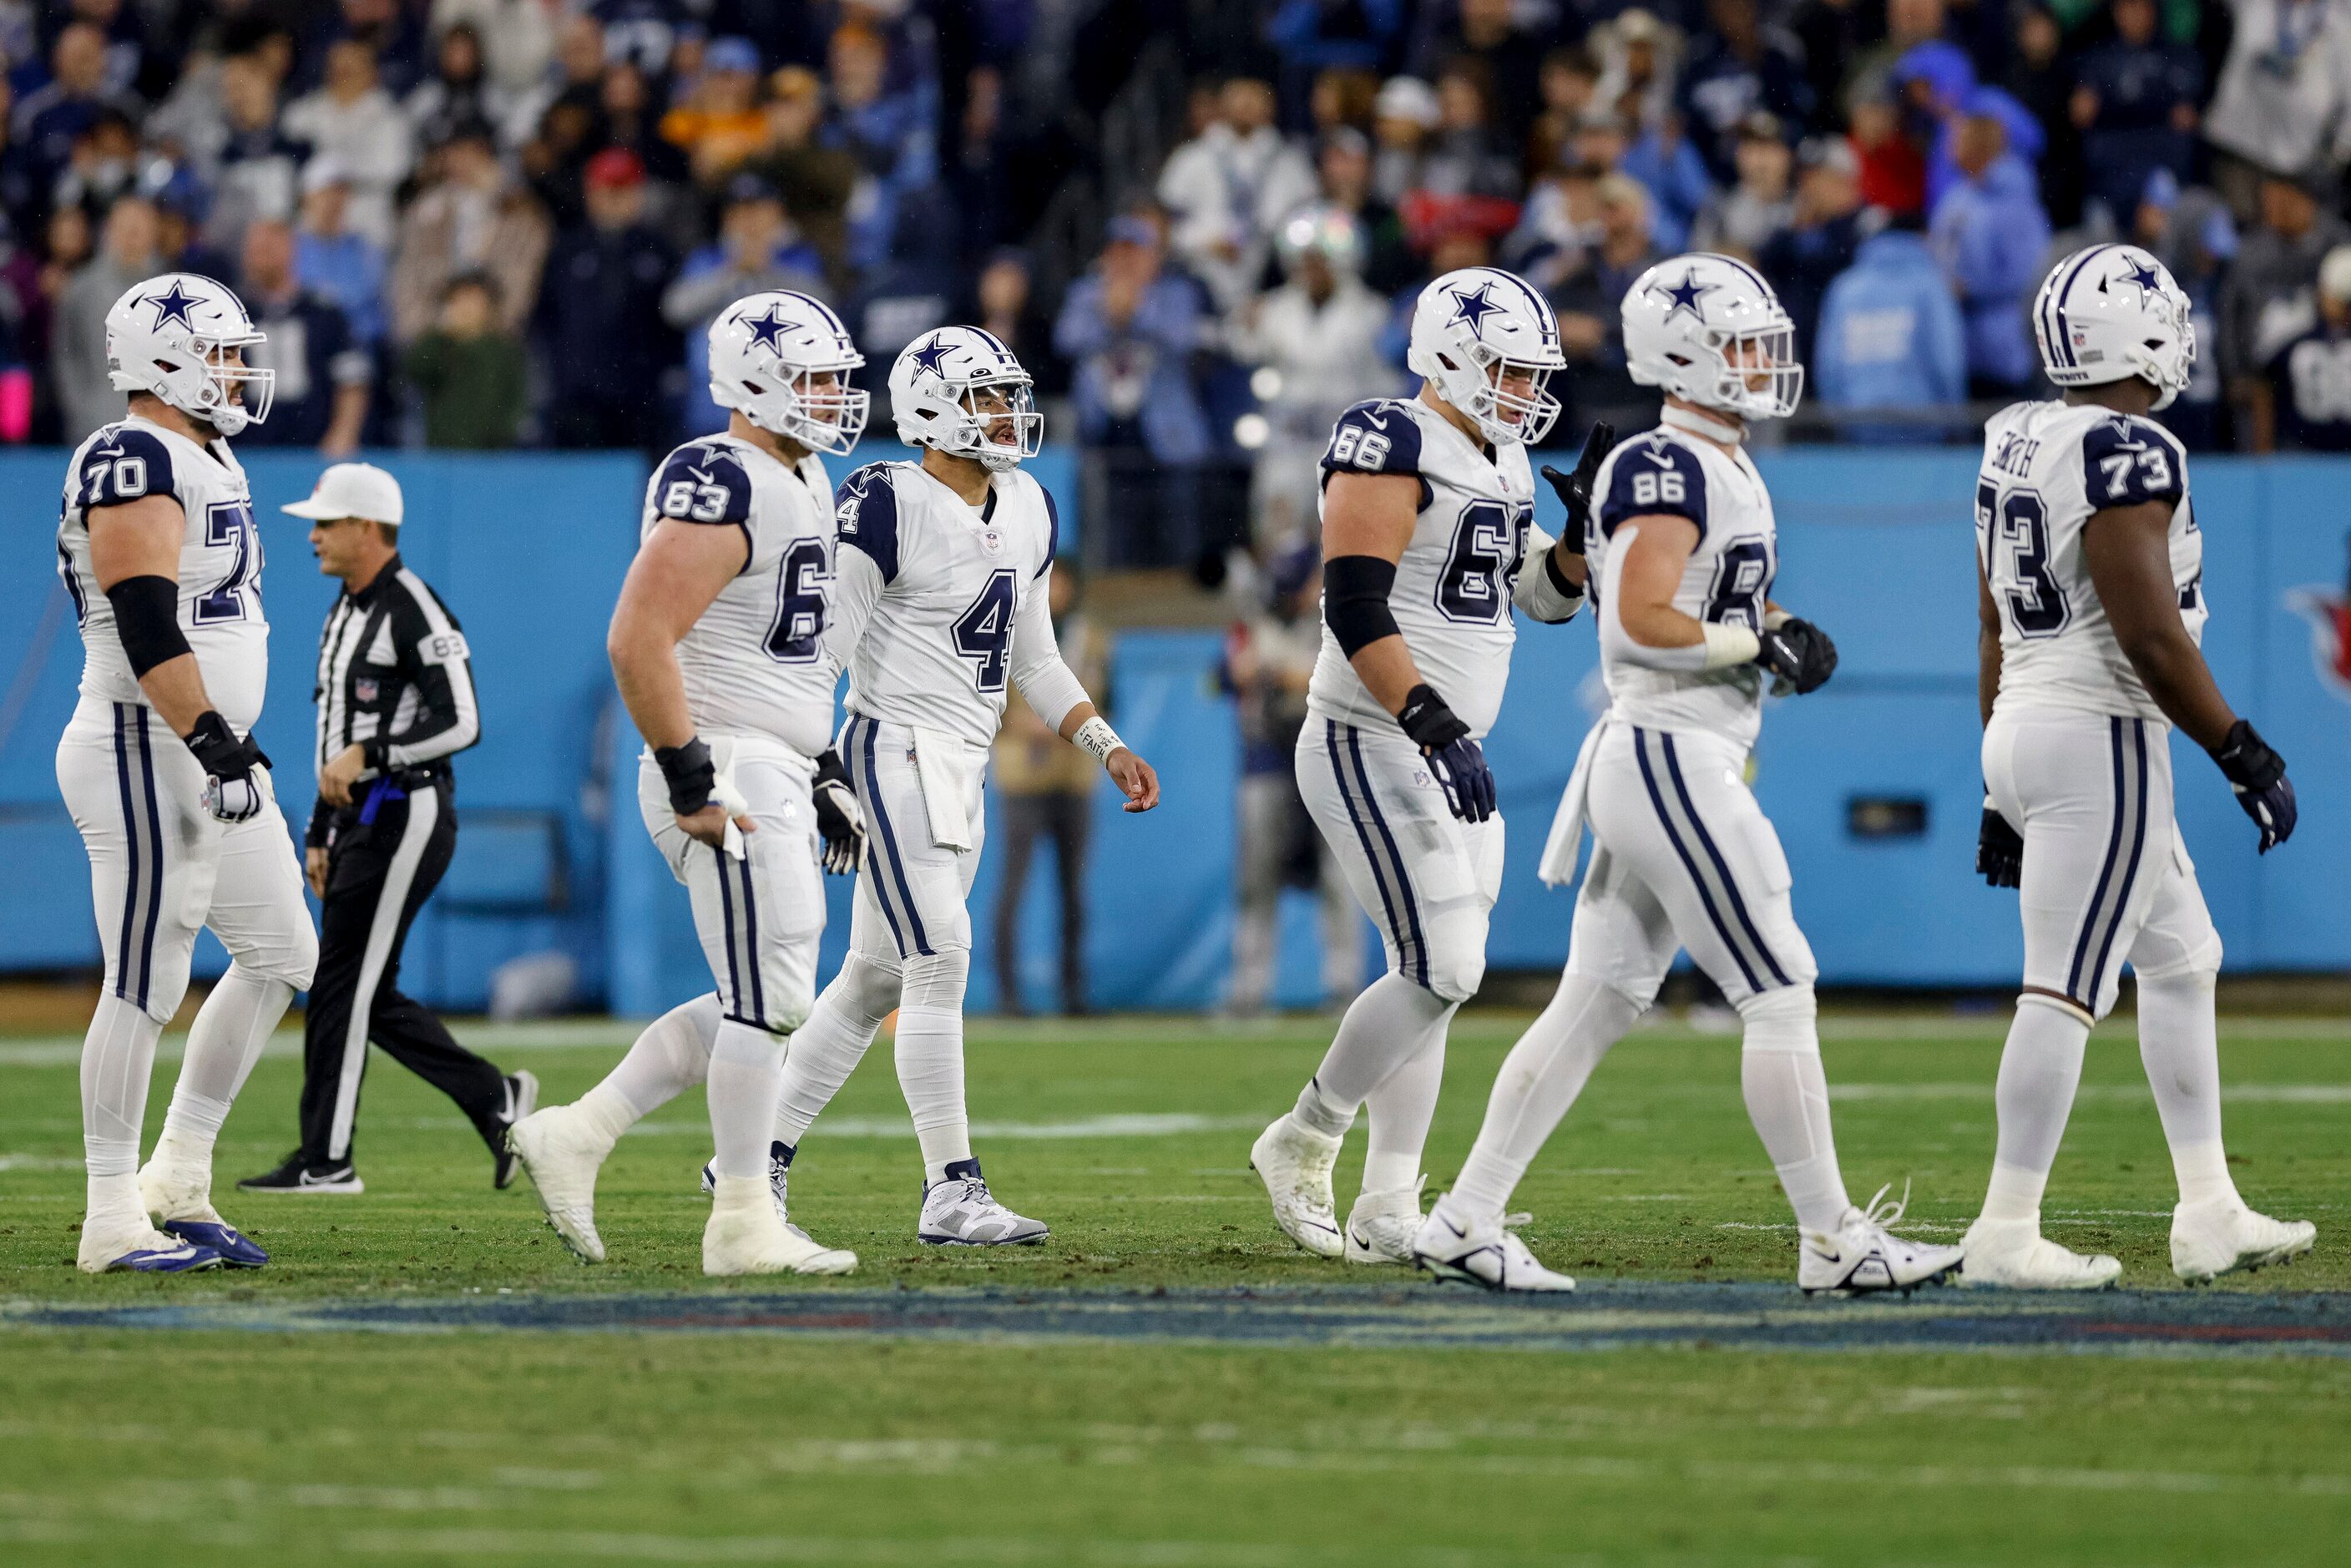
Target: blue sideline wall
{"type": "Point", "coordinates": [529, 552]}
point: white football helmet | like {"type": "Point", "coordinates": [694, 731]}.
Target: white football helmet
{"type": "Point", "coordinates": [767, 353]}
{"type": "Point", "coordinates": [172, 335]}
{"type": "Point", "coordinates": [932, 393]}
{"type": "Point", "coordinates": [2112, 312]}
{"type": "Point", "coordinates": [1708, 329]}
{"type": "Point", "coordinates": [1470, 328]}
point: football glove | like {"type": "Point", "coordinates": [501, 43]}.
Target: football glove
{"type": "Point", "coordinates": [838, 816]}
{"type": "Point", "coordinates": [1575, 489]}
{"type": "Point", "coordinates": [690, 773]}
{"type": "Point", "coordinates": [236, 788]}
{"type": "Point", "coordinates": [1999, 850]}
{"type": "Point", "coordinates": [1457, 762]}
{"type": "Point", "coordinates": [2257, 774]}
{"type": "Point", "coordinates": [1798, 652]}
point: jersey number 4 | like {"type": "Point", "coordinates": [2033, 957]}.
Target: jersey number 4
{"type": "Point", "coordinates": [2015, 530]}
{"type": "Point", "coordinates": [1490, 544]}
{"type": "Point", "coordinates": [982, 633]}
{"type": "Point", "coordinates": [800, 579]}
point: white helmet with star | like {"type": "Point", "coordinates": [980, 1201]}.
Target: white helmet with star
{"type": "Point", "coordinates": [2111, 312]}
{"type": "Point", "coordinates": [183, 338]}
{"type": "Point", "coordinates": [782, 361]}
{"type": "Point", "coordinates": [1709, 330]}
{"type": "Point", "coordinates": [934, 389]}
{"type": "Point", "coordinates": [1476, 327]}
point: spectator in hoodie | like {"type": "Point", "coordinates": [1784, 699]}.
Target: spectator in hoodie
{"type": "Point", "coordinates": [1749, 217]}
{"type": "Point", "coordinates": [2283, 98]}
{"type": "Point", "coordinates": [354, 120]}
{"type": "Point", "coordinates": [1988, 235]}
{"type": "Point", "coordinates": [2136, 108]}
{"type": "Point", "coordinates": [1823, 235]}
{"type": "Point", "coordinates": [337, 265]}
{"type": "Point", "coordinates": [1229, 187]}
{"type": "Point", "coordinates": [2040, 75]}
{"type": "Point", "coordinates": [1890, 334]}
{"type": "Point", "coordinates": [469, 370]}
{"type": "Point", "coordinates": [1740, 65]}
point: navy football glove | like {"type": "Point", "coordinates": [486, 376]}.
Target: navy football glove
{"type": "Point", "coordinates": [2258, 776]}
{"type": "Point", "coordinates": [1457, 762]}
{"type": "Point", "coordinates": [1575, 491]}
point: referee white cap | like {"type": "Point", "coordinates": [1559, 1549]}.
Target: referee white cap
{"type": "Point", "coordinates": [351, 490]}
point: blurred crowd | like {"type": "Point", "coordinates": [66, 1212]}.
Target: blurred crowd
{"type": "Point", "coordinates": [496, 222]}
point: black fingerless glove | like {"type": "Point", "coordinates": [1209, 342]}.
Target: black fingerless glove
{"type": "Point", "coordinates": [1426, 722]}
{"type": "Point", "coordinates": [2257, 774]}
{"type": "Point", "coordinates": [692, 776]}
{"type": "Point", "coordinates": [224, 754]}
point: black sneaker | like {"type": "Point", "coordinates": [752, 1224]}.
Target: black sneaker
{"type": "Point", "coordinates": [522, 1098]}
{"type": "Point", "coordinates": [295, 1174]}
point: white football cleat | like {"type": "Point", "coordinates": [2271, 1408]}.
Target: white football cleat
{"type": "Point", "coordinates": [2208, 1239]}
{"type": "Point", "coordinates": [961, 1212]}
{"type": "Point", "coordinates": [561, 1158]}
{"type": "Point", "coordinates": [746, 1235]}
{"type": "Point", "coordinates": [1862, 1256]}
{"type": "Point", "coordinates": [1295, 1162]}
{"type": "Point", "coordinates": [1481, 1253]}
{"type": "Point", "coordinates": [1381, 1226]}
{"type": "Point", "coordinates": [2012, 1255]}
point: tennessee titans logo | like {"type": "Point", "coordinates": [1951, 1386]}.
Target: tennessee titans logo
{"type": "Point", "coordinates": [1473, 308]}
{"type": "Point", "coordinates": [767, 331]}
{"type": "Point", "coordinates": [1684, 295]}
{"type": "Point", "coordinates": [932, 354]}
{"type": "Point", "coordinates": [173, 307]}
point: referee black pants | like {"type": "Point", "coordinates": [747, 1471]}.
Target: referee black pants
{"type": "Point", "coordinates": [388, 854]}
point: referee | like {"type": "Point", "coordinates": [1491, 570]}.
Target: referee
{"type": "Point", "coordinates": [395, 698]}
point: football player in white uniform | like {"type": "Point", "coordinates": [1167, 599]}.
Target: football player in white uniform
{"type": "Point", "coordinates": [157, 546]}
{"type": "Point", "coordinates": [945, 572]}
{"type": "Point", "coordinates": [2090, 583]}
{"type": "Point", "coordinates": [1428, 507]}
{"type": "Point", "coordinates": [717, 648]}
{"type": "Point", "coordinates": [1683, 553]}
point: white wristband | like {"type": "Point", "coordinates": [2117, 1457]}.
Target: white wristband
{"type": "Point", "coordinates": [1096, 739]}
{"type": "Point", "coordinates": [1727, 644]}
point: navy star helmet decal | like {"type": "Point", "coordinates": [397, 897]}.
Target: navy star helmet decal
{"type": "Point", "coordinates": [1474, 307]}
{"type": "Point", "coordinates": [767, 331]}
{"type": "Point", "coordinates": [1684, 295]}
{"type": "Point", "coordinates": [173, 307]}
{"type": "Point", "coordinates": [932, 354]}
{"type": "Point", "coordinates": [2144, 275]}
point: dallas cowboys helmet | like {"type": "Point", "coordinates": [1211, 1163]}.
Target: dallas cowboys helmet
{"type": "Point", "coordinates": [934, 391]}
{"type": "Point", "coordinates": [2112, 312]}
{"type": "Point", "coordinates": [1471, 329]}
{"type": "Point", "coordinates": [782, 361]}
{"type": "Point", "coordinates": [173, 336]}
{"type": "Point", "coordinates": [1708, 329]}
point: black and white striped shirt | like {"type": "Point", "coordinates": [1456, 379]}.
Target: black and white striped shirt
{"type": "Point", "coordinates": [395, 677]}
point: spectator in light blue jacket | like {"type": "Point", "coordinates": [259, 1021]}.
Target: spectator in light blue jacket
{"type": "Point", "coordinates": [1988, 235]}
{"type": "Point", "coordinates": [1890, 336]}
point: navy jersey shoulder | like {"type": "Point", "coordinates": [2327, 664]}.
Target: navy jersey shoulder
{"type": "Point", "coordinates": [865, 516]}
{"type": "Point", "coordinates": [2128, 461]}
{"type": "Point", "coordinates": [1378, 436]}
{"type": "Point", "coordinates": [1052, 527]}
{"type": "Point", "coordinates": [704, 482]}
{"type": "Point", "coordinates": [123, 464]}
{"type": "Point", "coordinates": [1654, 475]}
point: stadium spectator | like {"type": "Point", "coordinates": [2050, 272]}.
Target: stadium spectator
{"type": "Point", "coordinates": [1890, 335]}
{"type": "Point", "coordinates": [1343, 167]}
{"type": "Point", "coordinates": [1570, 80]}
{"type": "Point", "coordinates": [1744, 219]}
{"type": "Point", "coordinates": [459, 90]}
{"type": "Point", "coordinates": [352, 120]}
{"type": "Point", "coordinates": [1988, 235]}
{"type": "Point", "coordinates": [814, 180]}
{"type": "Point", "coordinates": [1471, 162]}
{"type": "Point", "coordinates": [719, 125]}
{"type": "Point", "coordinates": [105, 164]}
{"type": "Point", "coordinates": [2283, 99]}
{"type": "Point", "coordinates": [2192, 233]}
{"type": "Point", "coordinates": [1311, 36]}
{"type": "Point", "coordinates": [628, 116]}
{"type": "Point", "coordinates": [469, 370]}
{"type": "Point", "coordinates": [1640, 57]}
{"type": "Point", "coordinates": [256, 170]}
{"type": "Point", "coordinates": [2039, 75]}
{"type": "Point", "coordinates": [2309, 380]}
{"type": "Point", "coordinates": [887, 128]}
{"type": "Point", "coordinates": [49, 119]}
{"type": "Point", "coordinates": [324, 374]}
{"type": "Point", "coordinates": [1590, 324]}
{"type": "Point", "coordinates": [1488, 33]}
{"type": "Point", "coordinates": [473, 217]}
{"type": "Point", "coordinates": [2136, 108]}
{"type": "Point", "coordinates": [1823, 235]}
{"type": "Point", "coordinates": [608, 350]}
{"type": "Point", "coordinates": [1404, 117]}
{"type": "Point", "coordinates": [1130, 330]}
{"type": "Point", "coordinates": [517, 37]}
{"type": "Point", "coordinates": [1005, 303]}
{"type": "Point", "coordinates": [1670, 168]}
{"type": "Point", "coordinates": [2267, 301]}
{"type": "Point", "coordinates": [127, 255]}
{"type": "Point", "coordinates": [756, 249]}
{"type": "Point", "coordinates": [1225, 189]}
{"type": "Point", "coordinates": [1557, 227]}
{"type": "Point", "coordinates": [1740, 66]}
{"type": "Point", "coordinates": [1893, 172]}
{"type": "Point", "coordinates": [391, 30]}
{"type": "Point", "coordinates": [346, 268]}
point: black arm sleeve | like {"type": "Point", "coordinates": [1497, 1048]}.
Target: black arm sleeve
{"type": "Point", "coordinates": [1355, 589]}
{"type": "Point", "coordinates": [147, 620]}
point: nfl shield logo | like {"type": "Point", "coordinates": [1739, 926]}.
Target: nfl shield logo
{"type": "Point", "coordinates": [364, 690]}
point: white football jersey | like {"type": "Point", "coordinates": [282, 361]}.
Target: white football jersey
{"type": "Point", "coordinates": [1453, 586]}
{"type": "Point", "coordinates": [957, 583]}
{"type": "Point", "coordinates": [220, 561]}
{"type": "Point", "coordinates": [1667, 471]}
{"type": "Point", "coordinates": [2047, 468]}
{"type": "Point", "coordinates": [755, 662]}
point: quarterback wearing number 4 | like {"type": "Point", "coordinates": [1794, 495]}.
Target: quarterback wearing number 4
{"type": "Point", "coordinates": [157, 546]}
{"type": "Point", "coordinates": [1682, 552]}
{"type": "Point", "coordinates": [716, 645]}
{"type": "Point", "coordinates": [2090, 580]}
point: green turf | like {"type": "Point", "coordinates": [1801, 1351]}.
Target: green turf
{"type": "Point", "coordinates": [535, 1446]}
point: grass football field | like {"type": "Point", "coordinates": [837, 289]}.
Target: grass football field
{"type": "Point", "coordinates": [422, 1375]}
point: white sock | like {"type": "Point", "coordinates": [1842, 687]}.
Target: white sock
{"type": "Point", "coordinates": [1541, 1077]}
{"type": "Point", "coordinates": [671, 1056]}
{"type": "Point", "coordinates": [118, 1057]}
{"type": "Point", "coordinates": [2040, 1069]}
{"type": "Point", "coordinates": [930, 1058]}
{"type": "Point", "coordinates": [1400, 1110]}
{"type": "Point", "coordinates": [2179, 1045]}
{"type": "Point", "coordinates": [1788, 1100]}
{"type": "Point", "coordinates": [1383, 1029]}
{"type": "Point", "coordinates": [223, 1043]}
{"type": "Point", "coordinates": [827, 1049]}
{"type": "Point", "coordinates": [746, 1065]}
{"type": "Point", "coordinates": [1318, 1112]}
